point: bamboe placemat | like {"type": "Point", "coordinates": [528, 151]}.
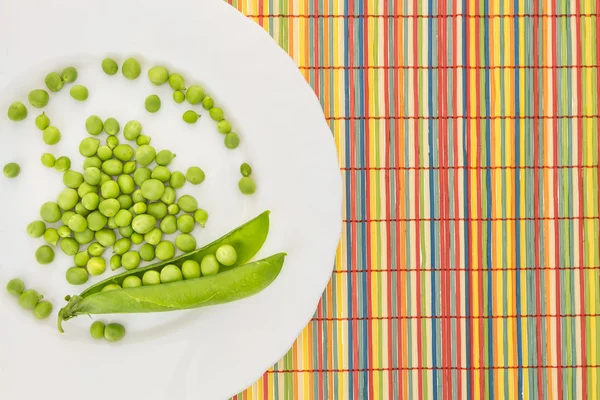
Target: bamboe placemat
{"type": "Point", "coordinates": [468, 140]}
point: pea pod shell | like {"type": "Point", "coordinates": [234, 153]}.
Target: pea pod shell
{"type": "Point", "coordinates": [247, 240]}
{"type": "Point", "coordinates": [223, 287]}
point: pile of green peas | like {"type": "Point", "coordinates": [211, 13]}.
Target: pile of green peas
{"type": "Point", "coordinates": [125, 197]}
{"type": "Point", "coordinates": [112, 332]}
{"type": "Point", "coordinates": [29, 299]}
{"type": "Point", "coordinates": [209, 265]}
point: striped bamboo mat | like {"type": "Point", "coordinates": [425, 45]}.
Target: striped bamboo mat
{"type": "Point", "coordinates": [468, 139]}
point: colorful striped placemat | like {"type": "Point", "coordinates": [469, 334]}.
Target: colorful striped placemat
{"type": "Point", "coordinates": [468, 140]}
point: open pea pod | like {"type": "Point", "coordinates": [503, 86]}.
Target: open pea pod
{"type": "Point", "coordinates": [225, 287]}
{"type": "Point", "coordinates": [247, 240]}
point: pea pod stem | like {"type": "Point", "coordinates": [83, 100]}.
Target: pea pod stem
{"type": "Point", "coordinates": [225, 287]}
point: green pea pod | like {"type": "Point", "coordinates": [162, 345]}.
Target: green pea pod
{"type": "Point", "coordinates": [225, 287]}
{"type": "Point", "coordinates": [247, 239]}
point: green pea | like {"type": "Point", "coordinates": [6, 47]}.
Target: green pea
{"type": "Point", "coordinates": [90, 201]}
{"type": "Point", "coordinates": [96, 221]}
{"type": "Point", "coordinates": [12, 170]}
{"type": "Point", "coordinates": [185, 223]}
{"type": "Point", "coordinates": [151, 278]}
{"type": "Point", "coordinates": [125, 201]}
{"type": "Point", "coordinates": [94, 125]}
{"type": "Point", "coordinates": [89, 146]}
{"type": "Point", "coordinates": [92, 162]}
{"type": "Point", "coordinates": [29, 299]}
{"type": "Point", "coordinates": [72, 179]}
{"type": "Point", "coordinates": [44, 255]}
{"type": "Point", "coordinates": [216, 114]}
{"type": "Point", "coordinates": [112, 224]}
{"type": "Point", "coordinates": [226, 255]}
{"type": "Point", "coordinates": [247, 185]}
{"type": "Point", "coordinates": [201, 216]}
{"type": "Point", "coordinates": [79, 93]}
{"type": "Point", "coordinates": [53, 82]}
{"type": "Point", "coordinates": [143, 223]}
{"type": "Point", "coordinates": [96, 266]}
{"type": "Point", "coordinates": [143, 140]}
{"type": "Point", "coordinates": [131, 281]}
{"type": "Point", "coordinates": [126, 231]}
{"type": "Point", "coordinates": [64, 232]}
{"type": "Point", "coordinates": [165, 250]}
{"type": "Point", "coordinates": [110, 66]}
{"type": "Point", "coordinates": [104, 153]}
{"type": "Point", "coordinates": [185, 242]}
{"type": "Point", "coordinates": [114, 332]}
{"type": "Point", "coordinates": [245, 169]}
{"type": "Point", "coordinates": [123, 218]}
{"type": "Point", "coordinates": [132, 130]}
{"type": "Point", "coordinates": [131, 69]}
{"type": "Point", "coordinates": [50, 212]}
{"type": "Point", "coordinates": [69, 246]}
{"type": "Point", "coordinates": [140, 208]}
{"type": "Point", "coordinates": [153, 237]}
{"type": "Point", "coordinates": [187, 203]}
{"type": "Point", "coordinates": [81, 210]}
{"type": "Point", "coordinates": [42, 121]}
{"type": "Point", "coordinates": [169, 224]}
{"type": "Point", "coordinates": [195, 175]}
{"type": "Point", "coordinates": [178, 96]}
{"type": "Point", "coordinates": [137, 196]}
{"type": "Point", "coordinates": [97, 328]}
{"type": "Point", "coordinates": [137, 238]}
{"type": "Point", "coordinates": [158, 75]}
{"type": "Point", "coordinates": [69, 74]}
{"type": "Point", "coordinates": [48, 160]}
{"type": "Point", "coordinates": [92, 176]}
{"type": "Point", "coordinates": [194, 94]}
{"type": "Point", "coordinates": [209, 265]}
{"type": "Point", "coordinates": [164, 157]}
{"type": "Point", "coordinates": [190, 269]}
{"type": "Point", "coordinates": [81, 258]}
{"type": "Point", "coordinates": [130, 260]}
{"type": "Point", "coordinates": [115, 262]}
{"type": "Point", "coordinates": [153, 189]}
{"type": "Point", "coordinates": [141, 175]}
{"type": "Point", "coordinates": [51, 135]}
{"type": "Point", "coordinates": [147, 252]}
{"type": "Point", "coordinates": [112, 167]}
{"type": "Point", "coordinates": [42, 310]}
{"type": "Point", "coordinates": [152, 103]}
{"type": "Point", "coordinates": [176, 82]}
{"type": "Point", "coordinates": [66, 216]}
{"type": "Point", "coordinates": [170, 273]}
{"type": "Point", "coordinates": [173, 209]}
{"type": "Point", "coordinates": [110, 190]}
{"type": "Point", "coordinates": [208, 102]}
{"type": "Point", "coordinates": [38, 98]}
{"type": "Point", "coordinates": [67, 199]}
{"type": "Point", "coordinates": [161, 173]}
{"type": "Point", "coordinates": [51, 236]}
{"type": "Point", "coordinates": [169, 196]}
{"type": "Point", "coordinates": [111, 126]}
{"type": "Point", "coordinates": [232, 140]}
{"type": "Point", "coordinates": [177, 180]}
{"type": "Point", "coordinates": [36, 229]}
{"type": "Point", "coordinates": [122, 246]}
{"type": "Point", "coordinates": [84, 237]}
{"type": "Point", "coordinates": [109, 207]}
{"type": "Point", "coordinates": [145, 155]}
{"type": "Point", "coordinates": [112, 142]}
{"type": "Point", "coordinates": [224, 126]}
{"type": "Point", "coordinates": [15, 286]}
{"type": "Point", "coordinates": [190, 116]}
{"type": "Point", "coordinates": [76, 275]}
{"type": "Point", "coordinates": [129, 167]}
{"type": "Point", "coordinates": [112, 286]}
{"type": "Point", "coordinates": [106, 237]}
{"type": "Point", "coordinates": [157, 210]}
{"type": "Point", "coordinates": [78, 223]}
{"type": "Point", "coordinates": [62, 164]}
{"type": "Point", "coordinates": [123, 152]}
{"type": "Point", "coordinates": [104, 178]}
{"type": "Point", "coordinates": [17, 111]}
{"type": "Point", "coordinates": [126, 184]}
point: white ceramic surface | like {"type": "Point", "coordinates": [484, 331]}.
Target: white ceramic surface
{"type": "Point", "coordinates": [207, 353]}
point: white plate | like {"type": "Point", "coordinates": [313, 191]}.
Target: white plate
{"type": "Point", "coordinates": [207, 353]}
